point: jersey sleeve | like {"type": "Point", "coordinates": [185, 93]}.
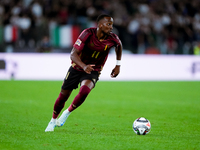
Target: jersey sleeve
{"type": "Point", "coordinates": [80, 42]}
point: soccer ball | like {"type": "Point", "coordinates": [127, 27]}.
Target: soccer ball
{"type": "Point", "coordinates": [141, 126]}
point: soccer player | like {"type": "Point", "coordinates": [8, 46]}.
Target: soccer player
{"type": "Point", "coordinates": [88, 56]}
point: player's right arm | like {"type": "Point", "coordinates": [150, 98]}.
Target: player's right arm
{"type": "Point", "coordinates": [75, 53]}
{"type": "Point", "coordinates": [77, 49]}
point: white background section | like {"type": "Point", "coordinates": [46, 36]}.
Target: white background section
{"type": "Point", "coordinates": [65, 33]}
{"type": "Point", "coordinates": [158, 67]}
{"type": "Point", "coordinates": [133, 67]}
{"type": "Point", "coordinates": [8, 33]}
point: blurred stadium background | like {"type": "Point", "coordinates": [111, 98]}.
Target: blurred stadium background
{"type": "Point", "coordinates": [36, 37]}
{"type": "Point", "coordinates": [143, 27]}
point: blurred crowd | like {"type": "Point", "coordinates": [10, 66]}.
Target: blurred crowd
{"type": "Point", "coordinates": [144, 26]}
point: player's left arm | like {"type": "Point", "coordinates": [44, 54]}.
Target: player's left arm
{"type": "Point", "coordinates": [116, 70]}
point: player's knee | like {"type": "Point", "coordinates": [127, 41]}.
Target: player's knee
{"type": "Point", "coordinates": [84, 90]}
{"type": "Point", "coordinates": [62, 97]}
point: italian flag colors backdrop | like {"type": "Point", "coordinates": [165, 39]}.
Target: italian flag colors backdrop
{"type": "Point", "coordinates": [64, 36]}
{"type": "Point", "coordinates": [8, 34]}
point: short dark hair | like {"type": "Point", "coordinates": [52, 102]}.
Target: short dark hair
{"type": "Point", "coordinates": [100, 17]}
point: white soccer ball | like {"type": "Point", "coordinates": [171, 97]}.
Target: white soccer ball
{"type": "Point", "coordinates": [141, 126]}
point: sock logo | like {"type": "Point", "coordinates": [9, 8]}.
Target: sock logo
{"type": "Point", "coordinates": [55, 112]}
{"type": "Point", "coordinates": [74, 106]}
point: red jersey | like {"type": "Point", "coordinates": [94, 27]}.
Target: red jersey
{"type": "Point", "coordinates": [92, 50]}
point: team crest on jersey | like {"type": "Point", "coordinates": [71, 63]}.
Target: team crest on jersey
{"type": "Point", "coordinates": [92, 44]}
{"type": "Point", "coordinates": [78, 42]}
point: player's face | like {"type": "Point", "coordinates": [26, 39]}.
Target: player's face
{"type": "Point", "coordinates": [107, 25]}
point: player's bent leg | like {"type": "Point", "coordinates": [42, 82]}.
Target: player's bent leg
{"type": "Point", "coordinates": [58, 106]}
{"type": "Point", "coordinates": [60, 102]}
{"type": "Point", "coordinates": [78, 100]}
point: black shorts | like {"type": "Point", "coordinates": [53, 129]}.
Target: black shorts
{"type": "Point", "coordinates": [74, 77]}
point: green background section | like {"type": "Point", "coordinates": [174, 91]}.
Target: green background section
{"type": "Point", "coordinates": [55, 36]}
{"type": "Point", "coordinates": [104, 121]}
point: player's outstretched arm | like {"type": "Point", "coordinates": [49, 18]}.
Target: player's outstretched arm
{"type": "Point", "coordinates": [76, 59]}
{"type": "Point", "coordinates": [116, 70]}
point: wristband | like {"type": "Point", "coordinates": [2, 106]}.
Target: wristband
{"type": "Point", "coordinates": [118, 62]}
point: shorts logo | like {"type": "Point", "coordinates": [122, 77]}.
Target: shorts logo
{"type": "Point", "coordinates": [78, 42]}
{"type": "Point", "coordinates": [94, 80]}
{"type": "Point", "coordinates": [92, 44]}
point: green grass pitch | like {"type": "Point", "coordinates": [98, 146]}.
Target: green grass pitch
{"type": "Point", "coordinates": [104, 121]}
